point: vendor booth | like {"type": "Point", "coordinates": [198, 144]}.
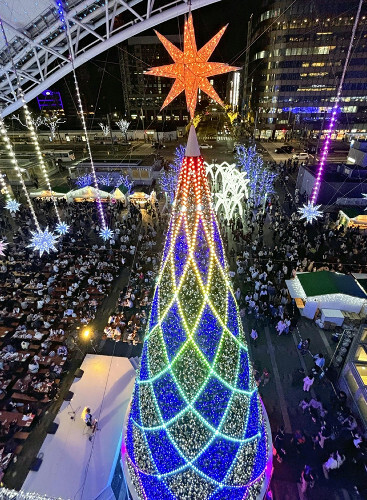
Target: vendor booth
{"type": "Point", "coordinates": [326, 290]}
{"type": "Point", "coordinates": [46, 194]}
{"type": "Point", "coordinates": [139, 198]}
{"type": "Point", "coordinates": [353, 217]}
{"type": "Point", "coordinates": [87, 193]}
{"type": "Point", "coordinates": [118, 195]}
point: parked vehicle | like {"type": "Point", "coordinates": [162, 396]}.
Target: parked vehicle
{"type": "Point", "coordinates": [63, 155]}
{"type": "Point", "coordinates": [300, 156]}
{"type": "Point", "coordinates": [205, 145]}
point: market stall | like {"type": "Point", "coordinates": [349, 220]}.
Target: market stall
{"type": "Point", "coordinates": [327, 290]}
{"type": "Point", "coordinates": [87, 193]}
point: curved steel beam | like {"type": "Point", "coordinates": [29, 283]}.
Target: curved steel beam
{"type": "Point", "coordinates": [44, 64]}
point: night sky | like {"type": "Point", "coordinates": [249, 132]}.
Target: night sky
{"type": "Point", "coordinates": [100, 79]}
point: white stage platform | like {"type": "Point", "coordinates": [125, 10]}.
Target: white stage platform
{"type": "Point", "coordinates": [73, 467]}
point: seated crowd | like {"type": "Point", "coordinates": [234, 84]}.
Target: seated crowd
{"type": "Point", "coordinates": [128, 323]}
{"type": "Point", "coordinates": [43, 303]}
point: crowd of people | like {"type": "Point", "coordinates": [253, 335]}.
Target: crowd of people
{"type": "Point", "coordinates": [44, 303]}
{"type": "Point", "coordinates": [128, 322]}
{"type": "Point", "coordinates": [260, 264]}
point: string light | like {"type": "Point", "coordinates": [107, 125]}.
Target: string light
{"type": "Point", "coordinates": [7, 494]}
{"type": "Point", "coordinates": [196, 426]}
{"type": "Point", "coordinates": [331, 127]}
{"type": "Point", "coordinates": [14, 161]}
{"type": "Point", "coordinates": [3, 246]}
{"type": "Point", "coordinates": [29, 121]}
{"type": "Point", "coordinates": [30, 124]}
{"type": "Point", "coordinates": [11, 205]}
{"type": "Point", "coordinates": [261, 179]}
{"type": "Point", "coordinates": [65, 26]}
{"type": "Point", "coordinates": [191, 67]}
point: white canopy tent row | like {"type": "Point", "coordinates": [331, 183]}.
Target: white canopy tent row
{"type": "Point", "coordinates": [91, 193]}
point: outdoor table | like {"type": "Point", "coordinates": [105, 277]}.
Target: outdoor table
{"type": "Point", "coordinates": [52, 360]}
{"type": "Point", "coordinates": [4, 330]}
{"type": "Point", "coordinates": [22, 420]}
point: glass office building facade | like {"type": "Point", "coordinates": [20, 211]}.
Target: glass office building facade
{"type": "Point", "coordinates": [295, 66]}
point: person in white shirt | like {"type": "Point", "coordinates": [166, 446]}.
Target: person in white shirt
{"type": "Point", "coordinates": [334, 462]}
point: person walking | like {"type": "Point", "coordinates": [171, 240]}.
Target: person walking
{"type": "Point", "coordinates": [307, 478]}
{"type": "Point", "coordinates": [265, 377]}
{"type": "Point", "coordinates": [334, 462]}
{"type": "Point", "coordinates": [307, 382]}
{"type": "Point", "coordinates": [254, 336]}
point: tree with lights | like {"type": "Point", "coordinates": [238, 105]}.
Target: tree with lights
{"type": "Point", "coordinates": [52, 122]}
{"type": "Point", "coordinates": [36, 121]}
{"type": "Point", "coordinates": [261, 179]}
{"type": "Point", "coordinates": [169, 178]}
{"type": "Point", "coordinates": [229, 186]}
{"type": "Point", "coordinates": [123, 125]}
{"type": "Point", "coordinates": [105, 129]}
{"type": "Point", "coordinates": [196, 429]}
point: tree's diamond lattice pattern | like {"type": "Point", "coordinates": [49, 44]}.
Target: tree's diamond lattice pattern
{"type": "Point", "coordinates": [196, 425]}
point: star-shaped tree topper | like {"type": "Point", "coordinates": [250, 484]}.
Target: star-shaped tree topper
{"type": "Point", "coordinates": [191, 67]}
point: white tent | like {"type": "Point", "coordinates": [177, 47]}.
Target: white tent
{"type": "Point", "coordinates": [118, 195]}
{"type": "Point", "coordinates": [86, 193]}
{"type": "Point", "coordinates": [45, 193]}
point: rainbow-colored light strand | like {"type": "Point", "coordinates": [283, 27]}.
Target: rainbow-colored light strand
{"type": "Point", "coordinates": [197, 428]}
{"type": "Point", "coordinates": [105, 232]}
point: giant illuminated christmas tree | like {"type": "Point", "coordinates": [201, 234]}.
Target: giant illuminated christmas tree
{"type": "Point", "coordinates": [197, 429]}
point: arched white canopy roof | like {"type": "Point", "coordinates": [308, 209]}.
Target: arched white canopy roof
{"type": "Point", "coordinates": [38, 44]}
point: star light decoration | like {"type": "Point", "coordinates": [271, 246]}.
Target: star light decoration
{"type": "Point", "coordinates": [12, 206]}
{"type": "Point", "coordinates": [191, 67]}
{"type": "Point", "coordinates": [62, 228]}
{"type": "Point", "coordinates": [197, 428]}
{"type": "Point", "coordinates": [106, 233]}
{"type": "Point", "coordinates": [310, 212]}
{"type": "Point", "coordinates": [43, 241]}
{"type": "Point", "coordinates": [3, 246]}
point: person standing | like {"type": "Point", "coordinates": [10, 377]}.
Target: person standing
{"type": "Point", "coordinates": [307, 382]}
{"type": "Point", "coordinates": [319, 360]}
{"type": "Point", "coordinates": [254, 336]}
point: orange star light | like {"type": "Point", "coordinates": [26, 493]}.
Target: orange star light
{"type": "Point", "coordinates": [191, 67]}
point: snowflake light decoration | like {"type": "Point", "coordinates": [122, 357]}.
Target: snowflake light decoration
{"type": "Point", "coordinates": [106, 233]}
{"type": "Point", "coordinates": [3, 244]}
{"type": "Point", "coordinates": [310, 212]}
{"type": "Point", "coordinates": [62, 228]}
{"type": "Point", "coordinates": [365, 196]}
{"type": "Point", "coordinates": [43, 241]}
{"type": "Point", "coordinates": [12, 206]}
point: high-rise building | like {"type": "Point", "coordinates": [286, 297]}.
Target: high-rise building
{"type": "Point", "coordinates": [295, 64]}
{"type": "Point", "coordinates": [144, 95]}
